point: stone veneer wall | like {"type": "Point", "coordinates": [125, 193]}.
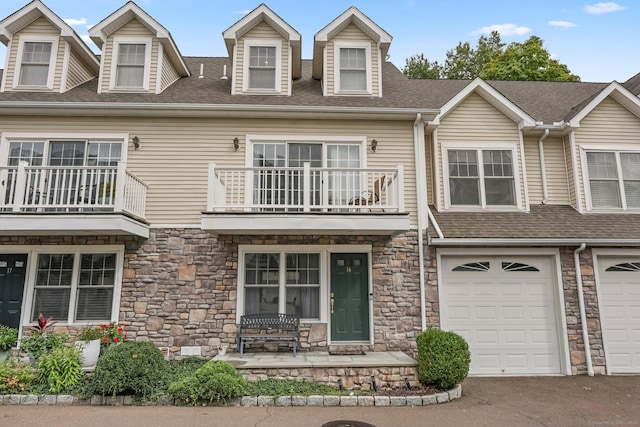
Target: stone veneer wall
{"type": "Point", "coordinates": [179, 289]}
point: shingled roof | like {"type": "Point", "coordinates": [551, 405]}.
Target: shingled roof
{"type": "Point", "coordinates": [545, 101]}
{"type": "Point", "coordinates": [555, 222]}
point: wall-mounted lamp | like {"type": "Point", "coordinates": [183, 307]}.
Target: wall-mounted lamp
{"type": "Point", "coordinates": [136, 142]}
{"type": "Point", "coordinates": [236, 144]}
{"type": "Point", "coordinates": [374, 145]}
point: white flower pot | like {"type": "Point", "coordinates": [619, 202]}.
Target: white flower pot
{"type": "Point", "coordinates": [90, 353]}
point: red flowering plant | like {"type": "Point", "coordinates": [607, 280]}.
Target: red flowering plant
{"type": "Point", "coordinates": [112, 333]}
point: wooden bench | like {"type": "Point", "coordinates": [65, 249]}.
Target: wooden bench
{"type": "Point", "coordinates": [269, 327]}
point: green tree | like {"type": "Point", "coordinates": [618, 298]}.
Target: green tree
{"type": "Point", "coordinates": [419, 67]}
{"type": "Point", "coordinates": [527, 61]}
{"type": "Point", "coordinates": [465, 62]}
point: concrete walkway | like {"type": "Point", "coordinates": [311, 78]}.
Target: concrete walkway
{"type": "Point", "coordinates": [317, 359]}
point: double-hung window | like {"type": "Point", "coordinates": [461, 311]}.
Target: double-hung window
{"type": "Point", "coordinates": [352, 68]}
{"type": "Point", "coordinates": [481, 177]}
{"type": "Point", "coordinates": [614, 179]}
{"type": "Point", "coordinates": [36, 62]}
{"type": "Point", "coordinates": [282, 282]}
{"type": "Point", "coordinates": [132, 59]}
{"type": "Point", "coordinates": [262, 66]}
{"type": "Point", "coordinates": [77, 285]}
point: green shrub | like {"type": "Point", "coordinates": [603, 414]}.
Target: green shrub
{"type": "Point", "coordinates": [443, 358]}
{"type": "Point", "coordinates": [214, 381]}
{"type": "Point", "coordinates": [16, 377]}
{"type": "Point", "coordinates": [130, 368]}
{"type": "Point", "coordinates": [8, 337]}
{"type": "Point", "coordinates": [287, 387]}
{"type": "Point", "coordinates": [38, 343]}
{"type": "Point", "coordinates": [60, 369]}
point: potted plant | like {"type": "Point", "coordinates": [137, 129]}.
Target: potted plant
{"type": "Point", "coordinates": [87, 341]}
{"type": "Point", "coordinates": [8, 340]}
{"type": "Point", "coordinates": [40, 341]}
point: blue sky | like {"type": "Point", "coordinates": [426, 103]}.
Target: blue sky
{"type": "Point", "coordinates": [597, 40]}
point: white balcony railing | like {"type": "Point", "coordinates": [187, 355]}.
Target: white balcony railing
{"type": "Point", "coordinates": [305, 189]}
{"type": "Point", "coordinates": [73, 189]}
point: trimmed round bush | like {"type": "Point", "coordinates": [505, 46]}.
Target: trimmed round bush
{"type": "Point", "coordinates": [133, 368]}
{"type": "Point", "coordinates": [215, 381]}
{"type": "Point", "coordinates": [443, 358]}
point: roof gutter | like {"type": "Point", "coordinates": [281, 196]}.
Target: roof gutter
{"type": "Point", "coordinates": [441, 242]}
{"type": "Point", "coordinates": [583, 314]}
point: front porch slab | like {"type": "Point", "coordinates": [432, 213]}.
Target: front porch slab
{"type": "Point", "coordinates": [375, 370]}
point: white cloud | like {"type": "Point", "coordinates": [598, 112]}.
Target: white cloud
{"type": "Point", "coordinates": [86, 38]}
{"type": "Point", "coordinates": [606, 7]}
{"type": "Point", "coordinates": [503, 29]}
{"type": "Point", "coordinates": [72, 21]}
{"type": "Point", "coordinates": [565, 24]}
{"type": "Point", "coordinates": [243, 11]}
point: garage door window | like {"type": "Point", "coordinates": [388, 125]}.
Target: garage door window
{"type": "Point", "coordinates": [473, 266]}
{"type": "Point", "coordinates": [626, 266]}
{"type": "Point", "coordinates": [517, 266]}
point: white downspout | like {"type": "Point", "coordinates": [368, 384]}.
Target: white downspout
{"type": "Point", "coordinates": [421, 187]}
{"type": "Point", "coordinates": [543, 169]}
{"type": "Point", "coordinates": [583, 315]}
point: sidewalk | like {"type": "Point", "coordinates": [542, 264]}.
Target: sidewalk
{"type": "Point", "coordinates": [532, 401]}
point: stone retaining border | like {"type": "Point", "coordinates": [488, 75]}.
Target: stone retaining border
{"type": "Point", "coordinates": [317, 400]}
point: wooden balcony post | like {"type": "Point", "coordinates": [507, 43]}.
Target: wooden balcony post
{"type": "Point", "coordinates": [211, 195]}
{"type": "Point", "coordinates": [121, 179]}
{"type": "Point", "coordinates": [20, 186]}
{"type": "Point", "coordinates": [306, 185]}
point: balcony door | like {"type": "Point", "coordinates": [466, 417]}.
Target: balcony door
{"type": "Point", "coordinates": [278, 181]}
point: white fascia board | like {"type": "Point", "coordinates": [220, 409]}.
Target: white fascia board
{"type": "Point", "coordinates": [33, 225]}
{"type": "Point", "coordinates": [257, 15]}
{"type": "Point", "coordinates": [223, 110]}
{"type": "Point", "coordinates": [492, 96]}
{"type": "Point", "coordinates": [531, 242]}
{"type": "Point", "coordinates": [617, 92]}
{"type": "Point", "coordinates": [362, 21]}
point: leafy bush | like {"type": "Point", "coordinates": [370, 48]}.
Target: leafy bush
{"type": "Point", "coordinates": [89, 333]}
{"type": "Point", "coordinates": [130, 368]}
{"type": "Point", "coordinates": [60, 369]}
{"type": "Point", "coordinates": [16, 377]}
{"type": "Point", "coordinates": [286, 387]}
{"type": "Point", "coordinates": [216, 380]}
{"type": "Point", "coordinates": [38, 343]}
{"type": "Point", "coordinates": [443, 358]}
{"type": "Point", "coordinates": [8, 337]}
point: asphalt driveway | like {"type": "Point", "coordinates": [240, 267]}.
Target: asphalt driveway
{"type": "Point", "coordinates": [540, 401]}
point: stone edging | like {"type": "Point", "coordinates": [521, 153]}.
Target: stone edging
{"type": "Point", "coordinates": [360, 400]}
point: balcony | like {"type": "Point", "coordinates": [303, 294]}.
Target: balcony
{"type": "Point", "coordinates": [305, 200]}
{"type": "Point", "coordinates": [71, 200]}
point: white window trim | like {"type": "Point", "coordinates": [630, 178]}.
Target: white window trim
{"type": "Point", "coordinates": [29, 288]}
{"type": "Point", "coordinates": [117, 41]}
{"type": "Point", "coordinates": [9, 137]}
{"type": "Point", "coordinates": [513, 147]}
{"type": "Point", "coordinates": [336, 72]}
{"type": "Point", "coordinates": [248, 44]}
{"type": "Point", "coordinates": [586, 185]}
{"type": "Point", "coordinates": [52, 61]}
{"type": "Point", "coordinates": [325, 252]}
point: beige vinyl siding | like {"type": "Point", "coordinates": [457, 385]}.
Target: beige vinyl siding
{"type": "Point", "coordinates": [430, 165]}
{"type": "Point", "coordinates": [475, 121]}
{"type": "Point", "coordinates": [556, 170]}
{"type": "Point", "coordinates": [174, 152]}
{"type": "Point", "coordinates": [263, 31]}
{"type": "Point", "coordinates": [39, 27]}
{"type": "Point", "coordinates": [78, 71]}
{"type": "Point", "coordinates": [351, 33]}
{"type": "Point", "coordinates": [133, 28]}
{"type": "Point", "coordinates": [568, 156]}
{"type": "Point", "coordinates": [169, 73]}
{"type": "Point", "coordinates": [609, 124]}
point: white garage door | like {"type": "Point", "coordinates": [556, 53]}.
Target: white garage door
{"type": "Point", "coordinates": [619, 296]}
{"type": "Point", "coordinates": [505, 308]}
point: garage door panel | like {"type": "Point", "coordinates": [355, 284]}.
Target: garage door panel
{"type": "Point", "coordinates": [507, 317]}
{"type": "Point", "coordinates": [619, 296]}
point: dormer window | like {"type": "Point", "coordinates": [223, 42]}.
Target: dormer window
{"type": "Point", "coordinates": [262, 70]}
{"type": "Point", "coordinates": [36, 63]}
{"type": "Point", "coordinates": [614, 179]}
{"type": "Point", "coordinates": [133, 61]}
{"type": "Point", "coordinates": [353, 70]}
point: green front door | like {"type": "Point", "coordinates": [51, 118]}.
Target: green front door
{"type": "Point", "coordinates": [349, 303]}
{"type": "Point", "coordinates": [12, 274]}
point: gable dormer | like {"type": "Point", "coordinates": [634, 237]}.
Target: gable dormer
{"type": "Point", "coordinates": [265, 54]}
{"type": "Point", "coordinates": [138, 54]}
{"type": "Point", "coordinates": [44, 54]}
{"type": "Point", "coordinates": [348, 55]}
